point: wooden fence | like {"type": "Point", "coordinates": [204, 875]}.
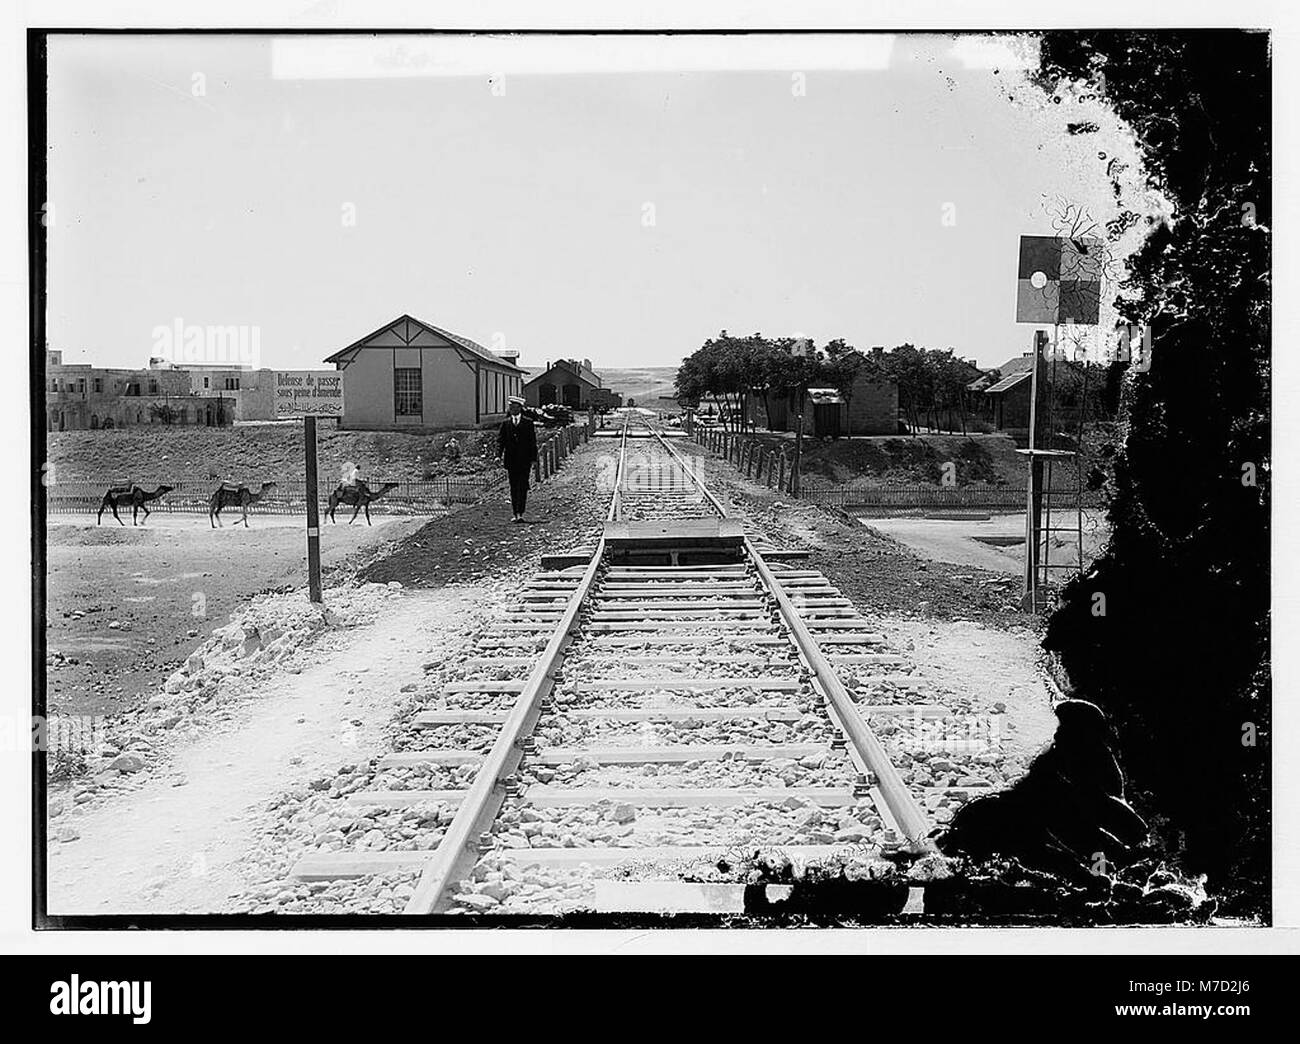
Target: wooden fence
{"type": "Point", "coordinates": [772, 466]}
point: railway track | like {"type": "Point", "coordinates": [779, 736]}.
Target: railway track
{"type": "Point", "coordinates": [657, 713]}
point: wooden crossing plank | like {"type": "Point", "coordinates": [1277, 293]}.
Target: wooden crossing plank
{"type": "Point", "coordinates": [884, 659]}
{"type": "Point", "coordinates": [851, 639]}
{"type": "Point", "coordinates": [693, 797]}
{"type": "Point", "coordinates": [681, 625]}
{"type": "Point", "coordinates": [858, 624]}
{"type": "Point", "coordinates": [675, 571]}
{"type": "Point", "coordinates": [685, 713]}
{"type": "Point", "coordinates": [900, 710]}
{"type": "Point", "coordinates": [731, 658]}
{"type": "Point", "coordinates": [693, 639]}
{"type": "Point", "coordinates": [603, 856]}
{"type": "Point", "coordinates": [762, 684]}
{"type": "Point", "coordinates": [702, 603]}
{"type": "Point", "coordinates": [673, 591]}
{"type": "Point", "coordinates": [685, 612]}
{"type": "Point", "coordinates": [500, 661]}
{"type": "Point", "coordinates": [680, 755]}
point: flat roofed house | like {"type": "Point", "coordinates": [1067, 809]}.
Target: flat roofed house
{"type": "Point", "coordinates": [411, 374]}
{"type": "Point", "coordinates": [568, 382]}
{"type": "Point", "coordinates": [81, 397]}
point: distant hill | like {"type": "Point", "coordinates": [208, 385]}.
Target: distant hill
{"type": "Point", "coordinates": [640, 384]}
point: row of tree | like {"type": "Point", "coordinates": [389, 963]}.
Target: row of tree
{"type": "Point", "coordinates": [734, 372]}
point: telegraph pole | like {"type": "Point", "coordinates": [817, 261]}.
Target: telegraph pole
{"type": "Point", "coordinates": [800, 351]}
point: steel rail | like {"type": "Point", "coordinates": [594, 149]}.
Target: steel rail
{"type": "Point", "coordinates": [458, 851]}
{"type": "Point", "coordinates": [907, 812]}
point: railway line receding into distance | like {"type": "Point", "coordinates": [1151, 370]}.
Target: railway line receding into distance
{"type": "Point", "coordinates": [654, 715]}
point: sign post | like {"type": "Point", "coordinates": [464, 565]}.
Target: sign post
{"type": "Point", "coordinates": [1058, 280]}
{"type": "Point", "coordinates": [313, 509]}
{"type": "Point", "coordinates": [310, 394]}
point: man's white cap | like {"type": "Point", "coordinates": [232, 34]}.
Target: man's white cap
{"type": "Point", "coordinates": [516, 398]}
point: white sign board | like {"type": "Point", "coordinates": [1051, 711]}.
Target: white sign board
{"type": "Point", "coordinates": [302, 393]}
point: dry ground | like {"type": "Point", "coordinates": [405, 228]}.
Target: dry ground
{"type": "Point", "coordinates": [126, 606]}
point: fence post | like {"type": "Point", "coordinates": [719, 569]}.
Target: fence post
{"type": "Point", "coordinates": [780, 485]}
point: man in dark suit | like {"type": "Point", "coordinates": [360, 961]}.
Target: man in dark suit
{"type": "Point", "coordinates": [517, 450]}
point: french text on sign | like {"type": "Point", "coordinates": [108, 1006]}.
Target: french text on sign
{"type": "Point", "coordinates": [302, 393]}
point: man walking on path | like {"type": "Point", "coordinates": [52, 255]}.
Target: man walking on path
{"type": "Point", "coordinates": [517, 450]}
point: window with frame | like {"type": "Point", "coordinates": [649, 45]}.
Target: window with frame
{"type": "Point", "coordinates": [98, 385]}
{"type": "Point", "coordinates": [232, 384]}
{"type": "Point", "coordinates": [407, 400]}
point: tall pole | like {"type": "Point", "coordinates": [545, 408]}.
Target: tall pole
{"type": "Point", "coordinates": [1034, 501]}
{"type": "Point", "coordinates": [313, 509]}
{"type": "Point", "coordinates": [795, 484]}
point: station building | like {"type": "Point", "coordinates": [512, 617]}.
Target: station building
{"type": "Point", "coordinates": [411, 375]}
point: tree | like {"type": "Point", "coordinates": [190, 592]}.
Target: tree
{"type": "Point", "coordinates": [1179, 661]}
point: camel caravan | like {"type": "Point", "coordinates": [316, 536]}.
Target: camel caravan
{"type": "Point", "coordinates": [353, 493]}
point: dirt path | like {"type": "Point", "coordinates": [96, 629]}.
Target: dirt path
{"type": "Point", "coordinates": [178, 843]}
{"type": "Point", "coordinates": [126, 605]}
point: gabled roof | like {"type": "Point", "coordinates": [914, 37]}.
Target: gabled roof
{"type": "Point", "coordinates": [1007, 383]}
{"type": "Point", "coordinates": [1020, 364]}
{"type": "Point", "coordinates": [570, 366]}
{"type": "Point", "coordinates": [473, 347]}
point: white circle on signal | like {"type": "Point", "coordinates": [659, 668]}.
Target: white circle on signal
{"type": "Point", "coordinates": [1038, 280]}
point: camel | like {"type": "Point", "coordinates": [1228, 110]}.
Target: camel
{"type": "Point", "coordinates": [230, 495]}
{"type": "Point", "coordinates": [137, 496]}
{"type": "Point", "coordinates": [360, 495]}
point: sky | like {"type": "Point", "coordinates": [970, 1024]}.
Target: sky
{"type": "Point", "coordinates": [565, 197]}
